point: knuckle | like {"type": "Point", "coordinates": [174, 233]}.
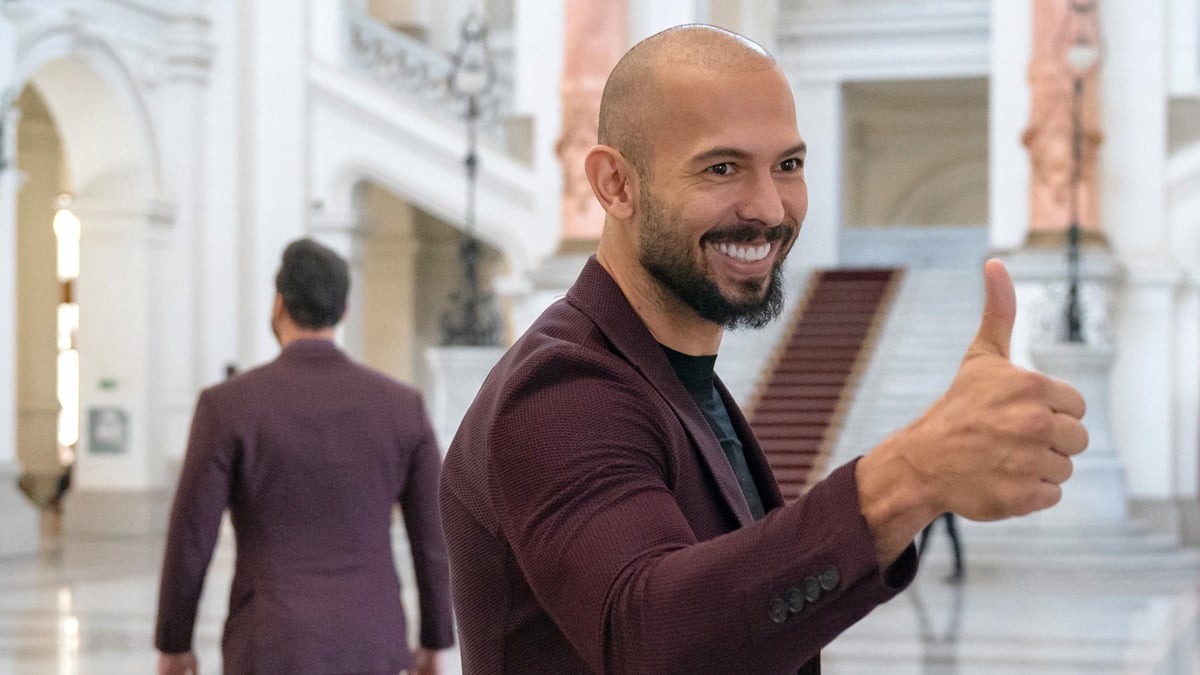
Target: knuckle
{"type": "Point", "coordinates": [1068, 470]}
{"type": "Point", "coordinates": [1031, 383]}
{"type": "Point", "coordinates": [1038, 423]}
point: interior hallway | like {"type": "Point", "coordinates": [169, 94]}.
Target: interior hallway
{"type": "Point", "coordinates": [85, 606]}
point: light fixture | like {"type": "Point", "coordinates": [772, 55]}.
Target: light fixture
{"type": "Point", "coordinates": [1082, 56]}
{"type": "Point", "coordinates": [471, 319]}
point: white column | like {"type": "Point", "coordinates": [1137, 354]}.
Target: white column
{"type": "Point", "coordinates": [1184, 49]}
{"type": "Point", "coordinates": [9, 185]}
{"type": "Point", "coordinates": [18, 519]}
{"type": "Point", "coordinates": [9, 182]}
{"type": "Point", "coordinates": [177, 263]}
{"type": "Point", "coordinates": [1008, 101]}
{"type": "Point", "coordinates": [1133, 111]}
{"type": "Point", "coordinates": [223, 193]}
{"type": "Point", "coordinates": [539, 65]}
{"type": "Point", "coordinates": [1133, 207]}
{"type": "Point", "coordinates": [327, 28]}
{"type": "Point", "coordinates": [274, 159]}
{"type": "Point", "coordinates": [819, 117]}
{"type": "Point", "coordinates": [1186, 394]}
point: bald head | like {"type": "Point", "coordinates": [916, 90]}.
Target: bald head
{"type": "Point", "coordinates": [631, 98]}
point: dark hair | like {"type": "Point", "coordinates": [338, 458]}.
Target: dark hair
{"type": "Point", "coordinates": [314, 282]}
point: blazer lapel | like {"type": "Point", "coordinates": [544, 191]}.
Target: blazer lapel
{"type": "Point", "coordinates": [598, 296]}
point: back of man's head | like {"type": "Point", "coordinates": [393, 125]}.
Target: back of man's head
{"type": "Point", "coordinates": [313, 281]}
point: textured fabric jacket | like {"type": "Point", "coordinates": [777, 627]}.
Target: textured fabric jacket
{"type": "Point", "coordinates": [594, 523]}
{"type": "Point", "coordinates": [309, 453]}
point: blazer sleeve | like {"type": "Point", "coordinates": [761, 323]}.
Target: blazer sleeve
{"type": "Point", "coordinates": [200, 498]}
{"type": "Point", "coordinates": [584, 465]}
{"type": "Point", "coordinates": [419, 505]}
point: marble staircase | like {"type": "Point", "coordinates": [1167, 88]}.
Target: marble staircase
{"type": "Point", "coordinates": [798, 407]}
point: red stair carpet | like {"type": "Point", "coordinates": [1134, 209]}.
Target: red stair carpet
{"type": "Point", "coordinates": [799, 404]}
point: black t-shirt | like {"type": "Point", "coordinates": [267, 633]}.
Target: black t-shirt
{"type": "Point", "coordinates": [696, 373]}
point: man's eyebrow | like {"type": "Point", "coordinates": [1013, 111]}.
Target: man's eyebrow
{"type": "Point", "coordinates": [726, 153]}
{"type": "Point", "coordinates": [720, 153]}
{"type": "Point", "coordinates": [800, 148]}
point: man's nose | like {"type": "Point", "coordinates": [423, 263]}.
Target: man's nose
{"type": "Point", "coordinates": [762, 201]}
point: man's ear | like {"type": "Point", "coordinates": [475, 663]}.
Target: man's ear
{"type": "Point", "coordinates": [613, 181]}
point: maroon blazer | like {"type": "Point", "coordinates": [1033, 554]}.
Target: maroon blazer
{"type": "Point", "coordinates": [309, 453]}
{"type": "Point", "coordinates": [594, 523]}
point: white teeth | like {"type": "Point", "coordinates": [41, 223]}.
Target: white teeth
{"type": "Point", "coordinates": [746, 253]}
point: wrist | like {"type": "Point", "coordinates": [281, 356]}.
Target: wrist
{"type": "Point", "coordinates": [894, 500]}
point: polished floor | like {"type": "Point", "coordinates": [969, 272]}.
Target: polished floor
{"type": "Point", "coordinates": [86, 605]}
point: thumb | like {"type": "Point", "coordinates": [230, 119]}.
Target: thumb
{"type": "Point", "coordinates": [999, 311]}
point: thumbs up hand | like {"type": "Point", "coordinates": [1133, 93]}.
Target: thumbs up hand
{"type": "Point", "coordinates": [998, 443]}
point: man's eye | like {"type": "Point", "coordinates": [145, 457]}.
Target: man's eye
{"type": "Point", "coordinates": [791, 164]}
{"type": "Point", "coordinates": [721, 169]}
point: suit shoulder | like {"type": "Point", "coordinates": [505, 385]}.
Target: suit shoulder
{"type": "Point", "coordinates": [563, 348]}
{"type": "Point", "coordinates": [383, 382]}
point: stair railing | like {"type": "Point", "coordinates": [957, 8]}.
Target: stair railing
{"type": "Point", "coordinates": [415, 71]}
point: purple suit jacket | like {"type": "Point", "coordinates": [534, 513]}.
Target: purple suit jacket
{"type": "Point", "coordinates": [594, 523]}
{"type": "Point", "coordinates": [309, 453]}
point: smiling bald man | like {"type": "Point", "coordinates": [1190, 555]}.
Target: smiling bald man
{"type": "Point", "coordinates": [606, 506]}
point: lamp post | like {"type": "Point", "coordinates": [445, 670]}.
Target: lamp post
{"type": "Point", "coordinates": [471, 319]}
{"type": "Point", "coordinates": [1082, 56]}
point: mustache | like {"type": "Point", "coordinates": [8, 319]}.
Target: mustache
{"type": "Point", "coordinates": [749, 231]}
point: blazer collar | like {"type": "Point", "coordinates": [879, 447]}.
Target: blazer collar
{"type": "Point", "coordinates": [312, 349]}
{"type": "Point", "coordinates": [597, 295]}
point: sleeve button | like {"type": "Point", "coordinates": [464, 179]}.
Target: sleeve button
{"type": "Point", "coordinates": [778, 611]}
{"type": "Point", "coordinates": [829, 578]}
{"type": "Point", "coordinates": [812, 589]}
{"type": "Point", "coordinates": [795, 599]}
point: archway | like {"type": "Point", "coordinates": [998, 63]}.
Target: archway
{"type": "Point", "coordinates": [90, 138]}
{"type": "Point", "coordinates": [47, 377]}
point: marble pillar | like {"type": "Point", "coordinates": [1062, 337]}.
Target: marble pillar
{"type": "Point", "coordinates": [1062, 97]}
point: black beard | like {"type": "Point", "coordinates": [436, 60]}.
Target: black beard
{"type": "Point", "coordinates": [705, 298]}
{"type": "Point", "coordinates": [672, 266]}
